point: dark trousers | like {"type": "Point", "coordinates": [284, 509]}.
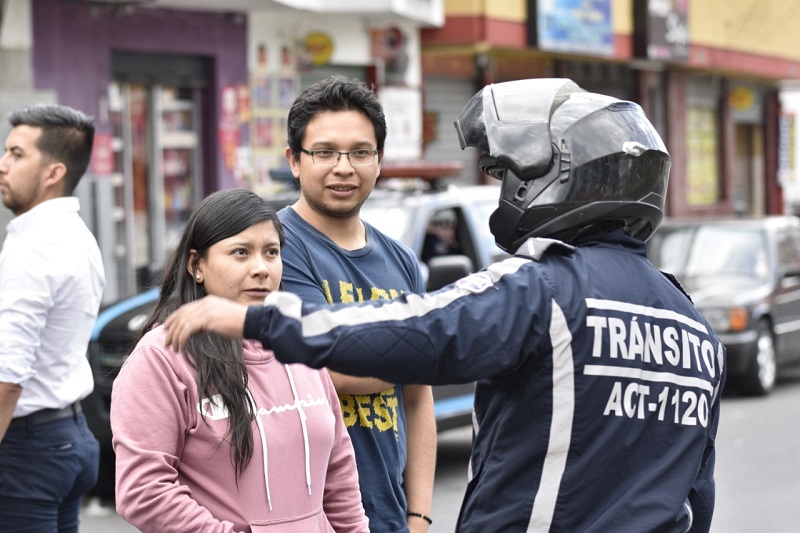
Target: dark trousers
{"type": "Point", "coordinates": [45, 469]}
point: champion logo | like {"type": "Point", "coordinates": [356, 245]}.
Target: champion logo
{"type": "Point", "coordinates": [213, 408]}
{"type": "Point", "coordinates": [475, 282]}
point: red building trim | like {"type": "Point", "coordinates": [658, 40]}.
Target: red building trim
{"type": "Point", "coordinates": [734, 61]}
{"type": "Point", "coordinates": [476, 29]}
{"type": "Point", "coordinates": [505, 33]}
{"type": "Point", "coordinates": [456, 30]}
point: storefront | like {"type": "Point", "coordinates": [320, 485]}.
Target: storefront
{"type": "Point", "coordinates": [167, 112]}
{"type": "Point", "coordinates": [291, 51]}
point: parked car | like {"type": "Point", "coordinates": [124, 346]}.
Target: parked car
{"type": "Point", "coordinates": [409, 215]}
{"type": "Point", "coordinates": [744, 277]}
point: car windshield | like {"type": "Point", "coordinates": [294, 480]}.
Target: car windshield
{"type": "Point", "coordinates": [391, 221]}
{"type": "Point", "coordinates": [711, 252]}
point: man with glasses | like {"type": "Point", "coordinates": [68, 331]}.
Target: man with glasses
{"type": "Point", "coordinates": [336, 134]}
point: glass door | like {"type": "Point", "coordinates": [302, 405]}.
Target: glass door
{"type": "Point", "coordinates": [175, 175]}
{"type": "Point", "coordinates": [156, 144]}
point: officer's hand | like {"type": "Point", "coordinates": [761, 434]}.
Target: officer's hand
{"type": "Point", "coordinates": [211, 314]}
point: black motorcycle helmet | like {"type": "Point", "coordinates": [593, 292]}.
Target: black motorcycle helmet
{"type": "Point", "coordinates": [571, 163]}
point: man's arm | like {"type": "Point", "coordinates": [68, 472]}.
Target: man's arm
{"type": "Point", "coordinates": [354, 385]}
{"type": "Point", "coordinates": [421, 455]}
{"type": "Point", "coordinates": [9, 396]}
{"type": "Point", "coordinates": [453, 336]}
{"type": "Point", "coordinates": [25, 299]}
{"type": "Point", "coordinates": [211, 314]}
{"type": "Point", "coordinates": [226, 317]}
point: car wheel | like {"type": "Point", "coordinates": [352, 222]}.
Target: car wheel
{"type": "Point", "coordinates": [760, 378]}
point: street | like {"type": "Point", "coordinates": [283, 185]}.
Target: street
{"type": "Point", "coordinates": [758, 469]}
{"type": "Point", "coordinates": [758, 462]}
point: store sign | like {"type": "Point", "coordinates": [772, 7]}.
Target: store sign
{"type": "Point", "coordinates": [228, 129]}
{"type": "Point", "coordinates": [403, 109]}
{"type": "Point", "coordinates": [745, 102]}
{"type": "Point", "coordinates": [579, 26]}
{"type": "Point", "coordinates": [662, 29]}
{"type": "Point", "coordinates": [102, 163]}
{"type": "Point", "coordinates": [318, 48]}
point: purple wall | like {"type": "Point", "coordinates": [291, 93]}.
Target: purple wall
{"type": "Point", "coordinates": [73, 42]}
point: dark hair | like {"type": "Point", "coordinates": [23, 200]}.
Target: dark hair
{"type": "Point", "coordinates": [219, 361]}
{"type": "Point", "coordinates": [334, 93]}
{"type": "Point", "coordinates": [67, 137]}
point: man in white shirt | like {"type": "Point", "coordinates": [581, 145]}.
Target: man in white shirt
{"type": "Point", "coordinates": [51, 284]}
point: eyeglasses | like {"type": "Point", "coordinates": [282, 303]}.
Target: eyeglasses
{"type": "Point", "coordinates": [330, 158]}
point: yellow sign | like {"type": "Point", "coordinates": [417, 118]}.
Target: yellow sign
{"type": "Point", "coordinates": [741, 98]}
{"type": "Point", "coordinates": [319, 47]}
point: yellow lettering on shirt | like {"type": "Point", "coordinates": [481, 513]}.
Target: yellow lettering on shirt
{"type": "Point", "coordinates": [383, 420]}
{"type": "Point", "coordinates": [374, 411]}
{"type": "Point", "coordinates": [326, 287]}
{"type": "Point", "coordinates": [346, 292]}
{"type": "Point", "coordinates": [379, 294]}
{"type": "Point", "coordinates": [348, 409]}
{"type": "Point", "coordinates": [363, 406]}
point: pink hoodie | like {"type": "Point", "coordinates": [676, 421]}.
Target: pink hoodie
{"type": "Point", "coordinates": [174, 471]}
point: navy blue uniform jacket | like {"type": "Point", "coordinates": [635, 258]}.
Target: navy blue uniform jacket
{"type": "Point", "coordinates": [598, 383]}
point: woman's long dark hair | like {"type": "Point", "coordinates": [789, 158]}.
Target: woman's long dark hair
{"type": "Point", "coordinates": [218, 361]}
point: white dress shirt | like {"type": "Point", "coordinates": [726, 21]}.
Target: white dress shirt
{"type": "Point", "coordinates": [51, 285]}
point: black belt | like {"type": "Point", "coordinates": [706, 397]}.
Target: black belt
{"type": "Point", "coordinates": [45, 415]}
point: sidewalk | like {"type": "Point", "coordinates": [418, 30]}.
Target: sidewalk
{"type": "Point", "coordinates": [97, 517]}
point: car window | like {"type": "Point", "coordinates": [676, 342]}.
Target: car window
{"type": "Point", "coordinates": [444, 235]}
{"type": "Point", "coordinates": [789, 248]}
{"type": "Point", "coordinates": [391, 221]}
{"type": "Point", "coordinates": [484, 211]}
{"type": "Point", "coordinates": [711, 251]}
{"type": "Point", "coordinates": [669, 247]}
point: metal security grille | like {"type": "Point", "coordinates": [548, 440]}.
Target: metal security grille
{"type": "Point", "coordinates": [446, 98]}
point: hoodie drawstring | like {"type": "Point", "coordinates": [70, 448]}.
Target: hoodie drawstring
{"type": "Point", "coordinates": [302, 413]}
{"type": "Point", "coordinates": [263, 448]}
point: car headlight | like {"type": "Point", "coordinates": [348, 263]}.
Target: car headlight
{"type": "Point", "coordinates": [735, 318]}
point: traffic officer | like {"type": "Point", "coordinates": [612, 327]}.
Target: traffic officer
{"type": "Point", "coordinates": [597, 400]}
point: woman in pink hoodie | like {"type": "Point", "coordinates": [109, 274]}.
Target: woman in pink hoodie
{"type": "Point", "coordinates": [223, 437]}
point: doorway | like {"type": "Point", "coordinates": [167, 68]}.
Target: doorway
{"type": "Point", "coordinates": [157, 141]}
{"type": "Point", "coordinates": [749, 195]}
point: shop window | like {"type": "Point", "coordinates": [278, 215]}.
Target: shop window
{"type": "Point", "coordinates": [703, 185]}
{"type": "Point", "coordinates": [702, 135]}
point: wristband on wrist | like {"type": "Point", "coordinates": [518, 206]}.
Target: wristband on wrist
{"type": "Point", "coordinates": [420, 515]}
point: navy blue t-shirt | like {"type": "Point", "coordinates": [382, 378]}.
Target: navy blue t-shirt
{"type": "Point", "coordinates": [319, 271]}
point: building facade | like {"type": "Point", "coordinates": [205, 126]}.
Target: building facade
{"type": "Point", "coordinates": [191, 96]}
{"type": "Point", "coordinates": [706, 72]}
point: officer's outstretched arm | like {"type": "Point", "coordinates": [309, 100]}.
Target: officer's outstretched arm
{"type": "Point", "coordinates": [482, 326]}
